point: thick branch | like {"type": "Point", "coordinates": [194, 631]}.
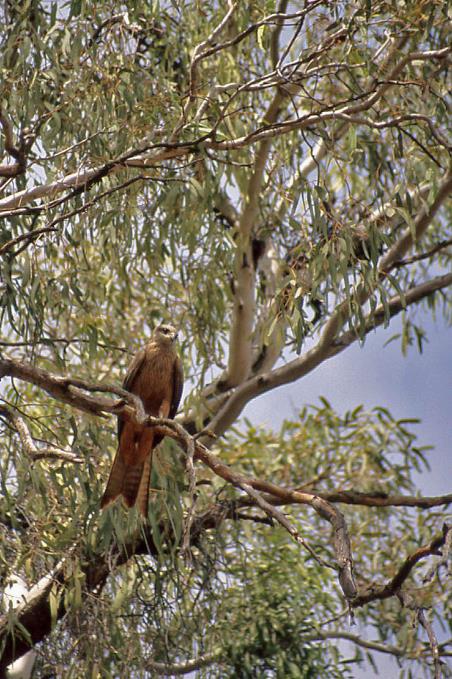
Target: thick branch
{"type": "Point", "coordinates": [274, 47]}
{"type": "Point", "coordinates": [65, 389]}
{"type": "Point", "coordinates": [328, 345]}
{"type": "Point", "coordinates": [241, 337]}
{"type": "Point", "coordinates": [354, 497]}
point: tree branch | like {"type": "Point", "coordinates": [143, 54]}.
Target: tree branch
{"type": "Point", "coordinates": [38, 600]}
{"type": "Point", "coordinates": [267, 356]}
{"type": "Point", "coordinates": [371, 645]}
{"type": "Point", "coordinates": [393, 586]}
{"type": "Point", "coordinates": [35, 613]}
{"type": "Point", "coordinates": [83, 177]}
{"type": "Point", "coordinates": [18, 153]}
{"type": "Point", "coordinates": [421, 223]}
{"type": "Point", "coordinates": [177, 669]}
{"type": "Point", "coordinates": [423, 255]}
{"type": "Point", "coordinates": [327, 345]}
{"type": "Point", "coordinates": [29, 445]}
{"type": "Point", "coordinates": [274, 46]}
{"type": "Point", "coordinates": [354, 497]}
{"type": "Point", "coordinates": [31, 236]}
{"type": "Point", "coordinates": [158, 152]}
{"type": "Point", "coordinates": [68, 390]}
{"type": "Point", "coordinates": [216, 656]}
{"type": "Point", "coordinates": [394, 306]}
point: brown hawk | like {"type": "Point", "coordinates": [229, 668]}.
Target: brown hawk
{"type": "Point", "coordinates": [156, 376]}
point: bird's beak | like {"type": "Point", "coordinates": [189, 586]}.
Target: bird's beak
{"type": "Point", "coordinates": [175, 336]}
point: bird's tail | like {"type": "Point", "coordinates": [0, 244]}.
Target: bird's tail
{"type": "Point", "coordinates": [142, 496]}
{"type": "Point", "coordinates": [129, 480]}
{"type": "Point", "coordinates": [115, 481]}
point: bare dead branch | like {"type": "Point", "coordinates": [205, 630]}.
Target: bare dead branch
{"type": "Point", "coordinates": [273, 513]}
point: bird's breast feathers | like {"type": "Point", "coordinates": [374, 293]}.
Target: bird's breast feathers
{"type": "Point", "coordinates": [154, 382]}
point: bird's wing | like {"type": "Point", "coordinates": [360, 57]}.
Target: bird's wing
{"type": "Point", "coordinates": [134, 369]}
{"type": "Point", "coordinates": [178, 385]}
{"type": "Point", "coordinates": [132, 372]}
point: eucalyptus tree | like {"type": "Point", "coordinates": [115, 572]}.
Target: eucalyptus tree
{"type": "Point", "coordinates": [271, 178]}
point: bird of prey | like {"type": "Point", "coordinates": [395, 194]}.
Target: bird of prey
{"type": "Point", "coordinates": [156, 376]}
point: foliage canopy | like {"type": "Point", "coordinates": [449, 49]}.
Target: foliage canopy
{"type": "Point", "coordinates": [272, 178]}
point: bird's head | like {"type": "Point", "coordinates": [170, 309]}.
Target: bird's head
{"type": "Point", "coordinates": [165, 334]}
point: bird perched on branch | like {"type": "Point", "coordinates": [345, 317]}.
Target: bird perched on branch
{"type": "Point", "coordinates": [156, 377]}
